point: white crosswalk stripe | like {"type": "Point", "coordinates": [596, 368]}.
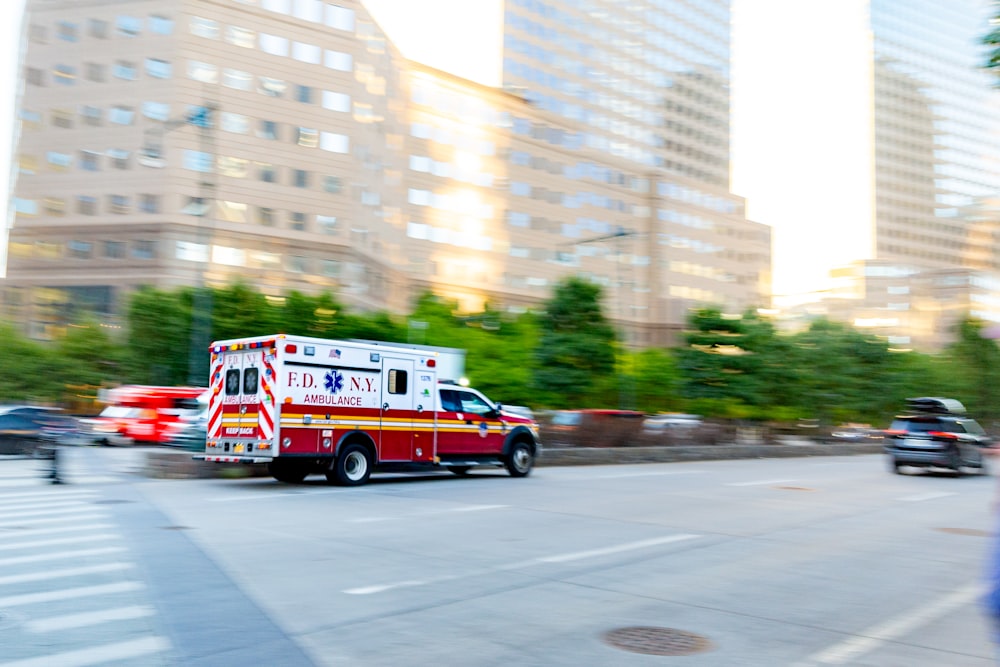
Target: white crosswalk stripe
{"type": "Point", "coordinates": [68, 580]}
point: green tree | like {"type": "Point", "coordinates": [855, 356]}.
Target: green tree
{"type": "Point", "coordinates": [975, 365]}
{"type": "Point", "coordinates": [576, 348]}
{"type": "Point", "coordinates": [159, 337]}
{"type": "Point", "coordinates": [992, 40]}
{"type": "Point", "coordinates": [32, 369]}
{"type": "Point", "coordinates": [656, 380]}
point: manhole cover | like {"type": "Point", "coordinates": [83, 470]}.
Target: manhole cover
{"type": "Point", "coordinates": [794, 488]}
{"type": "Point", "coordinates": [657, 641]}
{"type": "Point", "coordinates": [113, 501]}
{"type": "Point", "coordinates": [972, 532]}
{"type": "Point", "coordinates": [176, 528]}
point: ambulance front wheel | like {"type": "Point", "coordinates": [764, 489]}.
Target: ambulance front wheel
{"type": "Point", "coordinates": [352, 467]}
{"type": "Point", "coordinates": [519, 460]}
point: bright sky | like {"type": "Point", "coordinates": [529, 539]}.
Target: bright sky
{"type": "Point", "coordinates": [464, 37]}
{"type": "Point", "coordinates": [802, 140]}
{"type": "Point", "coordinates": [10, 35]}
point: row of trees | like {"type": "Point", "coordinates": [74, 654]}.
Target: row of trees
{"type": "Point", "coordinates": [567, 355]}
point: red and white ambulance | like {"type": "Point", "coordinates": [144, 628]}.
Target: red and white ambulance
{"type": "Point", "coordinates": [348, 408]}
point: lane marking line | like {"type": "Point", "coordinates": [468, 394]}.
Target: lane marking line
{"type": "Point", "coordinates": [81, 509]}
{"type": "Point", "coordinates": [868, 640]}
{"type": "Point", "coordinates": [56, 495]}
{"type": "Point", "coordinates": [32, 532]}
{"type": "Point", "coordinates": [96, 655]}
{"type": "Point", "coordinates": [70, 594]}
{"type": "Point", "coordinates": [59, 555]}
{"type": "Point", "coordinates": [60, 519]}
{"type": "Point", "coordinates": [559, 558]}
{"type": "Point", "coordinates": [87, 619]}
{"type": "Point", "coordinates": [66, 572]}
{"type": "Point", "coordinates": [58, 541]}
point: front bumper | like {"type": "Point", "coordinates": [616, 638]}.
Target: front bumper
{"type": "Point", "coordinates": [232, 459]}
{"type": "Point", "coordinates": [921, 457]}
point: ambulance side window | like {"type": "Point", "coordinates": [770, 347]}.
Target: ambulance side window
{"type": "Point", "coordinates": [397, 381]}
{"type": "Point", "coordinates": [250, 381]}
{"type": "Point", "coordinates": [449, 401]}
{"type": "Point", "coordinates": [232, 382]}
{"type": "Point", "coordinates": [472, 403]}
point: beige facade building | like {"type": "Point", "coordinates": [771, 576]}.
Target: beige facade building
{"type": "Point", "coordinates": [287, 144]}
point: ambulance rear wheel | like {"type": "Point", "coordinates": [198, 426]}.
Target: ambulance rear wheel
{"type": "Point", "coordinates": [353, 466]}
{"type": "Point", "coordinates": [519, 460]}
{"type": "Point", "coordinates": [289, 473]}
{"type": "Point", "coordinates": [459, 470]}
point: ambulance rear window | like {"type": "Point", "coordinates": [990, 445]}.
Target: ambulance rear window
{"type": "Point", "coordinates": [232, 382]}
{"type": "Point", "coordinates": [250, 377]}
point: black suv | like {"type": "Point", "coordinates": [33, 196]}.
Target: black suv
{"type": "Point", "coordinates": [936, 433]}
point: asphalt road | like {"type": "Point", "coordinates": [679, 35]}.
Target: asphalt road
{"type": "Point", "coordinates": [798, 562]}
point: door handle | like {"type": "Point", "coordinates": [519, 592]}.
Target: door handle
{"type": "Point", "coordinates": [385, 406]}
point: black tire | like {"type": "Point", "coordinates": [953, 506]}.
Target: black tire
{"type": "Point", "coordinates": [459, 470]}
{"type": "Point", "coordinates": [287, 472]}
{"type": "Point", "coordinates": [895, 467]}
{"type": "Point", "coordinates": [353, 466]}
{"type": "Point", "coordinates": [955, 462]}
{"type": "Point", "coordinates": [519, 460]}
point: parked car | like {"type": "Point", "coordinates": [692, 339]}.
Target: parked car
{"type": "Point", "coordinates": [669, 421]}
{"type": "Point", "coordinates": [190, 432]}
{"type": "Point", "coordinates": [520, 410]}
{"type": "Point", "coordinates": [593, 428]}
{"type": "Point", "coordinates": [936, 433]}
{"type": "Point", "coordinates": [24, 429]}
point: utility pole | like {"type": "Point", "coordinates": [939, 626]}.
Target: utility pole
{"type": "Point", "coordinates": [152, 155]}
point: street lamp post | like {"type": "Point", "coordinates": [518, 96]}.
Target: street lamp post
{"type": "Point", "coordinates": [152, 155]}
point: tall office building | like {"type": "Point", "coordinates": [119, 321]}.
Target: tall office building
{"type": "Point", "coordinates": [288, 144]}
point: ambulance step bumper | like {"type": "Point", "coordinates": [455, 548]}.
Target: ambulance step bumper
{"type": "Point", "coordinates": [232, 459]}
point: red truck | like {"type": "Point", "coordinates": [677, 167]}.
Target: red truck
{"type": "Point", "coordinates": [143, 414]}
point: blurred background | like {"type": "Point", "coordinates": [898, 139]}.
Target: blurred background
{"type": "Point", "coordinates": [757, 209]}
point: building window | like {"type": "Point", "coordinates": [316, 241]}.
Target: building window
{"type": "Point", "coordinates": [327, 223]}
{"type": "Point", "coordinates": [234, 167]}
{"type": "Point", "coordinates": [143, 249]}
{"type": "Point", "coordinates": [340, 18]}
{"type": "Point", "coordinates": [59, 161]}
{"type": "Point", "coordinates": [203, 27]}
{"type": "Point", "coordinates": [300, 178]}
{"type": "Point", "coordinates": [307, 137]}
{"type": "Point", "coordinates": [271, 87]}
{"type": "Point", "coordinates": [273, 44]}
{"type": "Point", "coordinates": [331, 184]}
{"type": "Point", "coordinates": [309, 10]}
{"type": "Point", "coordinates": [266, 172]}
{"type": "Point", "coordinates": [198, 161]}
{"type": "Point", "coordinates": [97, 28]}
{"type": "Point", "coordinates": [86, 205]}
{"type": "Point", "coordinates": [337, 60]}
{"type": "Point", "coordinates": [66, 31]}
{"type": "Point", "coordinates": [119, 158]}
{"type": "Point", "coordinates": [240, 36]}
{"type": "Point", "coordinates": [30, 120]}
{"type": "Point", "coordinates": [114, 249]}
{"type": "Point", "coordinates": [27, 164]}
{"type": "Point", "coordinates": [161, 25]}
{"type": "Point", "coordinates": [25, 207]}
{"type": "Point", "coordinates": [62, 118]}
{"type": "Point", "coordinates": [91, 115]}
{"type": "Point", "coordinates": [234, 122]}
{"type": "Point", "coordinates": [35, 76]}
{"type": "Point", "coordinates": [79, 249]}
{"type": "Point", "coordinates": [54, 205]}
{"type": "Point", "coordinates": [336, 101]}
{"type": "Point", "coordinates": [237, 79]}
{"type": "Point", "coordinates": [120, 115]}
{"type": "Point", "coordinates": [198, 206]}
{"type": "Point", "coordinates": [149, 203]}
{"type": "Point", "coordinates": [156, 110]}
{"type": "Point", "coordinates": [64, 74]}
{"type": "Point", "coordinates": [265, 216]}
{"type": "Point", "coordinates": [304, 94]}
{"type": "Point", "coordinates": [297, 221]}
{"type": "Point", "coordinates": [335, 143]}
{"type": "Point", "coordinates": [306, 53]}
{"type": "Point", "coordinates": [119, 204]}
{"type": "Point", "coordinates": [89, 161]}
{"type": "Point", "coordinates": [296, 264]}
{"type": "Point", "coordinates": [128, 26]}
{"type": "Point", "coordinates": [158, 69]}
{"type": "Point", "coordinates": [124, 69]}
{"type": "Point", "coordinates": [204, 72]}
{"type": "Point", "coordinates": [96, 72]}
{"type": "Point", "coordinates": [268, 130]}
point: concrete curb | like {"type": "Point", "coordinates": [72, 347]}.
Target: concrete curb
{"type": "Point", "coordinates": [172, 464]}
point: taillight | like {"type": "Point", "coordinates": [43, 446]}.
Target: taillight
{"type": "Point", "coordinates": [942, 434]}
{"type": "Point", "coordinates": [894, 432]}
